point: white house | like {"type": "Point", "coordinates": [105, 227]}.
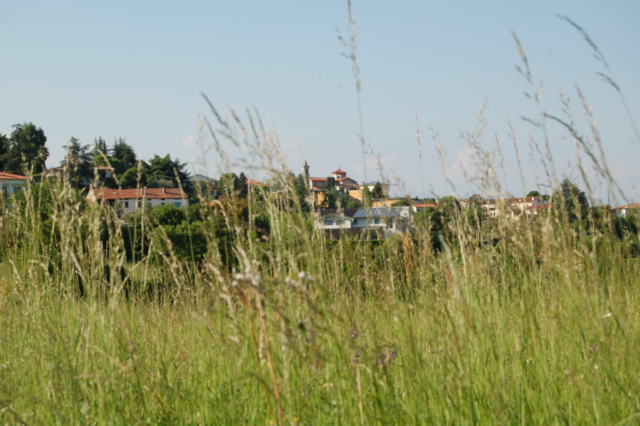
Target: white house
{"type": "Point", "coordinates": [335, 219]}
{"type": "Point", "coordinates": [10, 183]}
{"type": "Point", "coordinates": [130, 200]}
{"type": "Point", "coordinates": [513, 207]}
{"type": "Point", "coordinates": [393, 219]}
{"type": "Point", "coordinates": [390, 220]}
{"type": "Point", "coordinates": [625, 210]}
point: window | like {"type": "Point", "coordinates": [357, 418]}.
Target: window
{"type": "Point", "coordinates": [177, 204]}
{"type": "Point", "coordinates": [376, 221]}
{"type": "Point", "coordinates": [126, 204]}
{"type": "Point", "coordinates": [339, 222]}
{"type": "Point", "coordinates": [139, 204]}
{"type": "Point", "coordinates": [328, 221]}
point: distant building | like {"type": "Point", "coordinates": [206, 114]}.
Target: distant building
{"type": "Point", "coordinates": [206, 185]}
{"type": "Point", "coordinates": [514, 207]}
{"type": "Point", "coordinates": [384, 221]}
{"type": "Point", "coordinates": [130, 200]}
{"type": "Point", "coordinates": [421, 206]}
{"type": "Point", "coordinates": [624, 211]}
{"type": "Point", "coordinates": [10, 183]}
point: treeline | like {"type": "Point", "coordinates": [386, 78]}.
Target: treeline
{"type": "Point", "coordinates": [24, 152]}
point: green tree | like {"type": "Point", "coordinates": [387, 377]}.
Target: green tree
{"type": "Point", "coordinates": [4, 146]}
{"type": "Point", "coordinates": [78, 170]}
{"type": "Point", "coordinates": [243, 186]}
{"type": "Point", "coordinates": [449, 205]}
{"type": "Point", "coordinates": [302, 192]}
{"type": "Point", "coordinates": [167, 215]}
{"type": "Point", "coordinates": [125, 154]}
{"type": "Point", "coordinates": [377, 192]}
{"type": "Point", "coordinates": [135, 177]}
{"type": "Point", "coordinates": [571, 201]}
{"type": "Point", "coordinates": [229, 184]}
{"type": "Point", "coordinates": [99, 152]}
{"type": "Point", "coordinates": [25, 150]}
{"type": "Point", "coordinates": [406, 201]}
{"type": "Point", "coordinates": [533, 194]}
{"type": "Point", "coordinates": [167, 172]}
{"type": "Point", "coordinates": [476, 200]}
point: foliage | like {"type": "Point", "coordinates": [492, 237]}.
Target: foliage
{"type": "Point", "coordinates": [377, 192]}
{"type": "Point", "coordinates": [572, 202]}
{"type": "Point", "coordinates": [301, 191]}
{"type": "Point", "coordinates": [167, 215]}
{"type": "Point", "coordinates": [404, 202]}
{"type": "Point", "coordinates": [124, 154]}
{"type": "Point", "coordinates": [167, 172]}
{"type": "Point", "coordinates": [77, 164]}
{"type": "Point", "coordinates": [25, 150]}
{"type": "Point", "coordinates": [135, 177]}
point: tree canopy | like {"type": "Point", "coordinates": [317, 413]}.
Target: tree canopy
{"type": "Point", "coordinates": [77, 163]}
{"type": "Point", "coordinates": [572, 201]}
{"type": "Point", "coordinates": [25, 150]}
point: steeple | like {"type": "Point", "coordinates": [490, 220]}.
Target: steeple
{"type": "Point", "coordinates": [305, 168]}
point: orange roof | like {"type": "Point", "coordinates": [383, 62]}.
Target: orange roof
{"type": "Point", "coordinates": [139, 193]}
{"type": "Point", "coordinates": [422, 205]}
{"type": "Point", "coordinates": [339, 171]}
{"type": "Point", "coordinates": [11, 176]}
{"type": "Point", "coordinates": [628, 206]}
{"type": "Point", "coordinates": [253, 182]}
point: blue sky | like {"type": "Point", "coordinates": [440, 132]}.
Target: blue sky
{"type": "Point", "coordinates": [136, 69]}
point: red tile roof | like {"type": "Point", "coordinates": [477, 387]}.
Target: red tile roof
{"type": "Point", "coordinates": [628, 206]}
{"type": "Point", "coordinates": [422, 205]}
{"type": "Point", "coordinates": [253, 182]}
{"type": "Point", "coordinates": [139, 193]}
{"type": "Point", "coordinates": [11, 176]}
{"type": "Point", "coordinates": [340, 171]}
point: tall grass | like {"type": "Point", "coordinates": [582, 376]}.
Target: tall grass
{"type": "Point", "coordinates": [291, 328]}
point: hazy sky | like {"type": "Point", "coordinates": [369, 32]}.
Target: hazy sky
{"type": "Point", "coordinates": [136, 69]}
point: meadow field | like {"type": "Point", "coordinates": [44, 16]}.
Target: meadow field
{"type": "Point", "coordinates": [465, 320]}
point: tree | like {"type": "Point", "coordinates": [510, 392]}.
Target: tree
{"type": "Point", "coordinates": [135, 177]}
{"type": "Point", "coordinates": [4, 145]}
{"type": "Point", "coordinates": [572, 201]}
{"type": "Point", "coordinates": [78, 170]}
{"type": "Point", "coordinates": [125, 154]}
{"type": "Point", "coordinates": [377, 192]}
{"type": "Point", "coordinates": [166, 172]}
{"type": "Point", "coordinates": [167, 215]}
{"type": "Point", "coordinates": [406, 201]}
{"type": "Point", "coordinates": [26, 150]}
{"type": "Point", "coordinates": [476, 201]}
{"type": "Point", "coordinates": [533, 194]}
{"type": "Point", "coordinates": [100, 151]}
{"type": "Point", "coordinates": [229, 184]}
{"type": "Point", "coordinates": [243, 186]}
{"type": "Point", "coordinates": [449, 205]}
{"type": "Point", "coordinates": [302, 192]}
